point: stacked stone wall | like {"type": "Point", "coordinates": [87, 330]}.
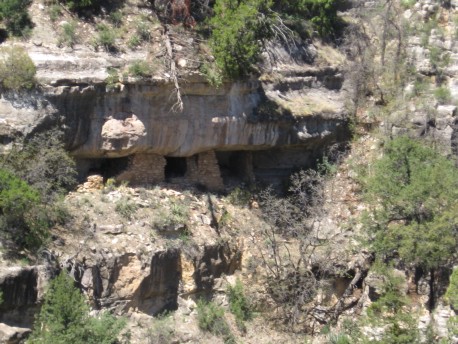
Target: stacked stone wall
{"type": "Point", "coordinates": [203, 169]}
{"type": "Point", "coordinates": [144, 169]}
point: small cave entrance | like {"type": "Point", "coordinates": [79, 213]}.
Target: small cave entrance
{"type": "Point", "coordinates": [235, 166]}
{"type": "Point", "coordinates": [107, 167]}
{"type": "Point", "coordinates": [110, 168]}
{"type": "Point", "coordinates": [175, 167]}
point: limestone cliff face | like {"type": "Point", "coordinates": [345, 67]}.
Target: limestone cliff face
{"type": "Point", "coordinates": [136, 116]}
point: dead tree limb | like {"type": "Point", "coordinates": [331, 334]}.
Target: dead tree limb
{"type": "Point", "coordinates": [178, 105]}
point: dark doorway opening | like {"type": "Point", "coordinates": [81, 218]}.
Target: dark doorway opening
{"type": "Point", "coordinates": [107, 168]}
{"type": "Point", "coordinates": [175, 167]}
{"type": "Point", "coordinates": [110, 168]}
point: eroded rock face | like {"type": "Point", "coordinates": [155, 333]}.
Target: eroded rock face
{"type": "Point", "coordinates": [129, 282]}
{"type": "Point", "coordinates": [22, 288]}
{"type": "Point", "coordinates": [122, 135]}
{"type": "Point", "coordinates": [137, 117]}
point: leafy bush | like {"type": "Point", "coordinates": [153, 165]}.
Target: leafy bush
{"type": "Point", "coordinates": [236, 35]}
{"type": "Point", "coordinates": [106, 37]}
{"type": "Point", "coordinates": [321, 13]}
{"type": "Point", "coordinates": [112, 80]}
{"type": "Point", "coordinates": [451, 296]}
{"type": "Point", "coordinates": [21, 212]}
{"type": "Point", "coordinates": [126, 208]}
{"type": "Point", "coordinates": [210, 318]}
{"type": "Point", "coordinates": [140, 69]}
{"type": "Point", "coordinates": [239, 196]}
{"type": "Point", "coordinates": [177, 215]}
{"type": "Point", "coordinates": [17, 70]}
{"type": "Point", "coordinates": [68, 35]}
{"type": "Point", "coordinates": [64, 318]}
{"type": "Point", "coordinates": [212, 73]}
{"type": "Point", "coordinates": [442, 94]}
{"type": "Point", "coordinates": [54, 12]}
{"type": "Point", "coordinates": [413, 192]}
{"type": "Point", "coordinates": [391, 311]}
{"type": "Point", "coordinates": [43, 162]}
{"type": "Point", "coordinates": [116, 18]}
{"type": "Point", "coordinates": [35, 177]}
{"type": "Point", "coordinates": [16, 17]}
{"type": "Point", "coordinates": [239, 304]}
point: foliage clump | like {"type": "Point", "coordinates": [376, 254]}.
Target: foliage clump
{"type": "Point", "coordinates": [14, 14]}
{"type": "Point", "coordinates": [239, 29]}
{"type": "Point", "coordinates": [105, 38]}
{"type": "Point", "coordinates": [21, 211]}
{"type": "Point", "coordinates": [17, 70]}
{"type": "Point", "coordinates": [237, 32]}
{"type": "Point", "coordinates": [64, 318]}
{"type": "Point", "coordinates": [140, 69]}
{"type": "Point", "coordinates": [34, 177]}
{"type": "Point", "coordinates": [413, 193]}
{"type": "Point", "coordinates": [391, 314]}
{"type": "Point", "coordinates": [68, 36]}
{"type": "Point", "coordinates": [239, 305]}
{"type": "Point", "coordinates": [210, 318]}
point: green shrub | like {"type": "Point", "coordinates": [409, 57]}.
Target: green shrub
{"type": "Point", "coordinates": [54, 11]}
{"type": "Point", "coordinates": [143, 30]}
{"type": "Point", "coordinates": [140, 69]}
{"type": "Point", "coordinates": [112, 80]}
{"type": "Point", "coordinates": [20, 211]}
{"type": "Point", "coordinates": [43, 162]}
{"type": "Point", "coordinates": [442, 94]}
{"type": "Point", "coordinates": [44, 170]}
{"type": "Point", "coordinates": [210, 318]}
{"type": "Point", "coordinates": [64, 318]}
{"type": "Point", "coordinates": [212, 73]}
{"type": "Point", "coordinates": [408, 3]}
{"type": "Point", "coordinates": [106, 37]}
{"type": "Point", "coordinates": [116, 18]}
{"type": "Point", "coordinates": [17, 70]}
{"type": "Point", "coordinates": [177, 215]}
{"type": "Point", "coordinates": [391, 311]}
{"type": "Point", "coordinates": [15, 15]}
{"type": "Point", "coordinates": [239, 305]}
{"type": "Point", "coordinates": [338, 338]}
{"type": "Point", "coordinates": [236, 35]}
{"type": "Point", "coordinates": [68, 35]}
{"type": "Point", "coordinates": [451, 296]}
{"type": "Point", "coordinates": [321, 13]}
{"type": "Point", "coordinates": [239, 197]}
{"type": "Point", "coordinates": [126, 208]}
{"type": "Point", "coordinates": [413, 197]}
{"type": "Point", "coordinates": [134, 41]}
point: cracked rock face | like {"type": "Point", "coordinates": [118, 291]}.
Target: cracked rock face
{"type": "Point", "coordinates": [122, 135]}
{"type": "Point", "coordinates": [135, 116]}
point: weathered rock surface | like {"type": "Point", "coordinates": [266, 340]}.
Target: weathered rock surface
{"type": "Point", "coordinates": [22, 288]}
{"type": "Point", "coordinates": [137, 117]}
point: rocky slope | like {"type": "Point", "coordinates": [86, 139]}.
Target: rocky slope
{"type": "Point", "coordinates": [139, 251]}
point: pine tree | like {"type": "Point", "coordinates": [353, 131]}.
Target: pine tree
{"type": "Point", "coordinates": [64, 318]}
{"type": "Point", "coordinates": [413, 193]}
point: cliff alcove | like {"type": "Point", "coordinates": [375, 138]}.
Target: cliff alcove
{"type": "Point", "coordinates": [193, 153]}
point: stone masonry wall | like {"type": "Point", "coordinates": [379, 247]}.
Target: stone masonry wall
{"type": "Point", "coordinates": [144, 169]}
{"type": "Point", "coordinates": [203, 168]}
